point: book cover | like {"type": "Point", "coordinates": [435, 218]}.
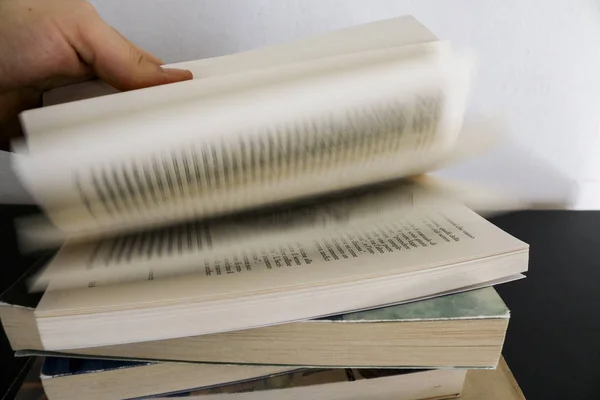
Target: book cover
{"type": "Point", "coordinates": [479, 303]}
{"type": "Point", "coordinates": [55, 367]}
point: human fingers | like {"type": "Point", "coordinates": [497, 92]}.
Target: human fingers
{"type": "Point", "coordinates": [120, 63]}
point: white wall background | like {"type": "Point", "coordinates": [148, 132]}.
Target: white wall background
{"type": "Point", "coordinates": [539, 67]}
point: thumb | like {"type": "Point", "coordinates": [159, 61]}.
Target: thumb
{"type": "Point", "coordinates": [120, 63]}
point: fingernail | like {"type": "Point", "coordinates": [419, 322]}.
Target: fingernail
{"type": "Point", "coordinates": [179, 74]}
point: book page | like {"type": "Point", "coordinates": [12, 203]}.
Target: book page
{"type": "Point", "coordinates": [436, 234]}
{"type": "Point", "coordinates": [56, 122]}
{"type": "Point", "coordinates": [182, 248]}
{"type": "Point", "coordinates": [390, 119]}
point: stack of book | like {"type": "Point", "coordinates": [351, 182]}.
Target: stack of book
{"type": "Point", "coordinates": [265, 231]}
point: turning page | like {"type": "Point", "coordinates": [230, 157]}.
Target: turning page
{"type": "Point", "coordinates": [245, 147]}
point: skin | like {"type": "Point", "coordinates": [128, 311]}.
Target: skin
{"type": "Point", "coordinates": [45, 44]}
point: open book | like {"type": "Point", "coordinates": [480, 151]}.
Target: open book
{"type": "Point", "coordinates": [270, 183]}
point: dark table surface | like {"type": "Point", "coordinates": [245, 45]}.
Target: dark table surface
{"type": "Point", "coordinates": [553, 340]}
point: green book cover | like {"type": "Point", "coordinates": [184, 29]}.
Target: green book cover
{"type": "Point", "coordinates": [479, 303]}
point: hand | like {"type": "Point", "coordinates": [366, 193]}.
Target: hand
{"type": "Point", "coordinates": [46, 44]}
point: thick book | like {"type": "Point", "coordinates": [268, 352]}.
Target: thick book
{"type": "Point", "coordinates": [97, 380]}
{"type": "Point", "coordinates": [456, 330]}
{"type": "Point", "coordinates": [75, 378]}
{"type": "Point", "coordinates": [498, 384]}
{"type": "Point", "coordinates": [345, 384]}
